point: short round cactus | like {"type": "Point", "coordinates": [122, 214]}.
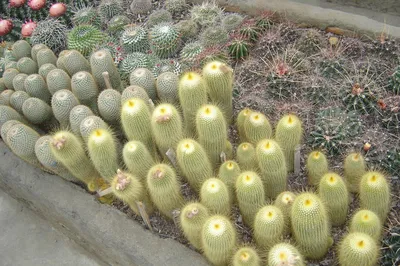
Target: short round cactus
{"type": "Point", "coordinates": [358, 249]}
{"type": "Point", "coordinates": [86, 15]}
{"type": "Point", "coordinates": [143, 77]}
{"type": "Point", "coordinates": [164, 40]}
{"type": "Point", "coordinates": [285, 254]}
{"type": "Point", "coordinates": [27, 65]}
{"type": "Point", "coordinates": [257, 127]}
{"type": "Point", "coordinates": [110, 8]}
{"type": "Point", "coordinates": [140, 6]}
{"type": "Point", "coordinates": [58, 79]}
{"type": "Point", "coordinates": [131, 62]}
{"type": "Point", "coordinates": [366, 221]}
{"type": "Point", "coordinates": [269, 225]}
{"type": "Point", "coordinates": [51, 33]}
{"type": "Point", "coordinates": [84, 38]}
{"type": "Point", "coordinates": [17, 99]}
{"type": "Point", "coordinates": [37, 111]}
{"type": "Point", "coordinates": [206, 14]}
{"type": "Point", "coordinates": [214, 195]}
{"type": "Point", "coordinates": [76, 115]}
{"type": "Point", "coordinates": [134, 39]}
{"type": "Point", "coordinates": [246, 256]}
{"type": "Point", "coordinates": [317, 166]}
{"type": "Point", "coordinates": [62, 103]}
{"type": "Point", "coordinates": [214, 35]}
{"type": "Point", "coordinates": [157, 17]}
{"type": "Point", "coordinates": [232, 21]}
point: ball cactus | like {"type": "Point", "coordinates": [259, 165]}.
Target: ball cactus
{"type": "Point", "coordinates": [73, 62]}
{"type": "Point", "coordinates": [157, 17]}
{"type": "Point", "coordinates": [232, 21]}
{"type": "Point", "coordinates": [45, 69]}
{"type": "Point", "coordinates": [27, 65]}
{"type": "Point", "coordinates": [164, 40]}
{"type": "Point", "coordinates": [135, 39]}
{"type": "Point", "coordinates": [62, 103]}
{"type": "Point", "coordinates": [167, 87]}
{"type": "Point", "coordinates": [358, 249]}
{"type": "Point", "coordinates": [45, 56]}
{"type": "Point", "coordinates": [102, 61]}
{"type": "Point", "coordinates": [21, 139]}
{"type": "Point", "coordinates": [257, 127]}
{"type": "Point", "coordinates": [8, 113]}
{"type": "Point", "coordinates": [366, 221]}
{"type": "Point", "coordinates": [246, 156]}
{"type": "Point", "coordinates": [21, 49]}
{"type": "Point", "coordinates": [206, 14]}
{"type": "Point", "coordinates": [110, 8]}
{"type": "Point", "coordinates": [17, 99]}
{"type": "Point", "coordinates": [57, 80]}
{"type": "Point", "coordinates": [8, 77]}
{"type": "Point", "coordinates": [246, 256]}
{"type": "Point", "coordinates": [269, 225]}
{"type": "Point", "coordinates": [35, 49]}
{"type": "Point", "coordinates": [85, 89]}
{"type": "Point", "coordinates": [317, 166]}
{"type": "Point", "coordinates": [284, 202]}
{"type": "Point", "coordinates": [285, 254]}
{"type": "Point", "coordinates": [86, 15]}
{"type": "Point", "coordinates": [51, 33]}
{"type": "Point", "coordinates": [134, 91]}
{"type": "Point", "coordinates": [36, 86]}
{"type": "Point", "coordinates": [143, 77]}
{"type": "Point", "coordinates": [214, 35]}
{"type": "Point", "coordinates": [37, 111]}
{"type": "Point", "coordinates": [228, 172]}
{"type": "Point", "coordinates": [214, 196]}
{"type": "Point", "coordinates": [109, 105]}
{"type": "Point", "coordinates": [19, 81]}
{"type": "Point", "coordinates": [76, 115]}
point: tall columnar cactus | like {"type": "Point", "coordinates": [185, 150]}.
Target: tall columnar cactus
{"type": "Point", "coordinates": [102, 147]}
{"type": "Point", "coordinates": [366, 221]}
{"type": "Point", "coordinates": [62, 103]}
{"type": "Point", "coordinates": [137, 159]}
{"type": "Point", "coordinates": [37, 111]}
{"type": "Point", "coordinates": [8, 113]}
{"type": "Point", "coordinates": [243, 114]}
{"type": "Point", "coordinates": [250, 195]}
{"type": "Point", "coordinates": [358, 249]}
{"type": "Point", "coordinates": [219, 239]}
{"type": "Point", "coordinates": [21, 49]}
{"type": "Point", "coordinates": [84, 38]}
{"type": "Point", "coordinates": [354, 169]}
{"type": "Point", "coordinates": [136, 122]}
{"type": "Point", "coordinates": [164, 189]}
{"type": "Point", "coordinates": [192, 95]}
{"type": "Point", "coordinates": [167, 87]}
{"type": "Point", "coordinates": [164, 40]}
{"type": "Point", "coordinates": [135, 39]}
{"type": "Point", "coordinates": [102, 61]}
{"type": "Point", "coordinates": [285, 254]}
{"type": "Point", "coordinates": [45, 56]}
{"type": "Point", "coordinates": [73, 62]}
{"type": "Point", "coordinates": [246, 156]}
{"type": "Point", "coordinates": [214, 195]}
{"type": "Point", "coordinates": [284, 202]}
{"type": "Point", "coordinates": [212, 131]}
{"type": "Point", "coordinates": [27, 65]}
{"type": "Point", "coordinates": [89, 124]}
{"type": "Point", "coordinates": [166, 124]}
{"type": "Point", "coordinates": [76, 115]}
{"type": "Point", "coordinates": [257, 127]}
{"type": "Point", "coordinates": [288, 134]}
{"type": "Point", "coordinates": [317, 166]}
{"type": "Point", "coordinates": [17, 99]}
{"type": "Point", "coordinates": [46, 158]}
{"type": "Point", "coordinates": [272, 164]}
{"type": "Point", "coordinates": [21, 139]}
{"type": "Point", "coordinates": [333, 192]}
{"type": "Point", "coordinates": [58, 79]}
{"type": "Point", "coordinates": [109, 105]}
{"type": "Point", "coordinates": [19, 81]}
{"type": "Point", "coordinates": [310, 225]}
{"type": "Point", "coordinates": [193, 162]}
{"type": "Point", "coordinates": [68, 150]}
{"type": "Point", "coordinates": [375, 194]}
{"type": "Point", "coordinates": [129, 189]}
{"type": "Point", "coordinates": [36, 86]}
{"type": "Point", "coordinates": [219, 78]}
{"type": "Point", "coordinates": [228, 173]}
{"type": "Point", "coordinates": [269, 226]}
{"type": "Point", "coordinates": [143, 77]}
{"type": "Point", "coordinates": [85, 89]}
{"type": "Point", "coordinates": [8, 77]}
{"type": "Point", "coordinates": [45, 69]}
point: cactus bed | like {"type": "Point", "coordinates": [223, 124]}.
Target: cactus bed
{"type": "Point", "coordinates": [345, 91]}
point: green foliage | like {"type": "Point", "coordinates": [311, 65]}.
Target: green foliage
{"type": "Point", "coordinates": [135, 39]}
{"type": "Point", "coordinates": [157, 17]}
{"type": "Point", "coordinates": [84, 38]}
{"type": "Point", "coordinates": [358, 249]}
{"type": "Point", "coordinates": [51, 33]}
{"type": "Point", "coordinates": [164, 40]}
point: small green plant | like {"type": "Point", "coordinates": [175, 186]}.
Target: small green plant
{"type": "Point", "coordinates": [249, 30]}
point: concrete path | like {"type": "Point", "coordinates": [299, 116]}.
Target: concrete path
{"type": "Point", "coordinates": [28, 240]}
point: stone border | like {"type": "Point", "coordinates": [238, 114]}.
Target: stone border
{"type": "Point", "coordinates": [100, 229]}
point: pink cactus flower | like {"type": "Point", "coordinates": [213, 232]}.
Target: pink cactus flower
{"type": "Point", "coordinates": [27, 28]}
{"type": "Point", "coordinates": [36, 4]}
{"type": "Point", "coordinates": [6, 26]}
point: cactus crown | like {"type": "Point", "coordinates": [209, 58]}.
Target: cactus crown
{"type": "Point", "coordinates": [217, 226]}
{"type": "Point", "coordinates": [375, 179]}
{"type": "Point", "coordinates": [287, 198]}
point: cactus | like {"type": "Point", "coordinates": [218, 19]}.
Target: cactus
{"type": "Point", "coordinates": [143, 77]}
{"type": "Point", "coordinates": [284, 202]}
{"type": "Point", "coordinates": [85, 89]}
{"type": "Point", "coordinates": [219, 78]}
{"type": "Point", "coordinates": [331, 187]}
{"type": "Point", "coordinates": [11, 64]}
{"type": "Point", "coordinates": [214, 35]}
{"type": "Point", "coordinates": [73, 62]}
{"type": "Point", "coordinates": [232, 21]}
{"type": "Point", "coordinates": [103, 153]}
{"type": "Point", "coordinates": [192, 218]}
{"type": "Point", "coordinates": [17, 99]}
{"type": "Point", "coordinates": [250, 31]}
{"type": "Point", "coordinates": [228, 150]}
{"type": "Point", "coordinates": [311, 41]}
{"type": "Point", "coordinates": [109, 105]}
{"type": "Point", "coordinates": [68, 150]}
{"type": "Point", "coordinates": [288, 135]}
{"type": "Point", "coordinates": [89, 124]}
{"type": "Point", "coordinates": [135, 92]}
{"type": "Point", "coordinates": [27, 65]}
{"type": "Point", "coordinates": [157, 17]}
{"type": "Point", "coordinates": [140, 6]}
{"type": "Point", "coordinates": [310, 225]}
{"type": "Point", "coordinates": [269, 226]}
{"type": "Point", "coordinates": [188, 29]}
{"type": "Point", "coordinates": [5, 127]}
{"type": "Point", "coordinates": [135, 39]}
{"type": "Point", "coordinates": [21, 139]}
{"type": "Point", "coordinates": [137, 159]}
{"type": "Point", "coordinates": [35, 49]}
{"type": "Point", "coordinates": [354, 169]}
{"type": "Point", "coordinates": [243, 114]}
{"type": "Point", "coordinates": [394, 81]}
{"type": "Point", "coordinates": [21, 49]}
{"type": "Point", "coordinates": [238, 48]}
{"type": "Point", "coordinates": [214, 195]}
{"type": "Point", "coordinates": [190, 52]}
{"type": "Point", "coordinates": [285, 254]}
{"type": "Point", "coordinates": [359, 98]}
{"type": "Point", "coordinates": [366, 221]}
{"type": "Point", "coordinates": [317, 166]}
{"type": "Point", "coordinates": [57, 80]}
{"type": "Point", "coordinates": [76, 115]}
{"type": "Point", "coordinates": [8, 113]}
{"type": "Point", "coordinates": [45, 56]}
{"type": "Point", "coordinates": [116, 25]}
{"type": "Point", "coordinates": [164, 40]}
{"type": "Point", "coordinates": [374, 194]}
{"type": "Point", "coordinates": [358, 249]}
{"type": "Point", "coordinates": [62, 103]}
{"type": "Point", "coordinates": [110, 8]}
{"type": "Point", "coordinates": [51, 33]}
{"type": "Point", "coordinates": [164, 189]}
{"type": "Point", "coordinates": [84, 38]}
{"type": "Point", "coordinates": [37, 111]}
{"type": "Point", "coordinates": [167, 87]}
{"type": "Point", "coordinates": [246, 157]}
{"type": "Point", "coordinates": [193, 162]}
{"type": "Point", "coordinates": [8, 77]}
{"type": "Point", "coordinates": [175, 6]}
{"type": "Point", "coordinates": [246, 256]}
{"type": "Point", "coordinates": [271, 162]}
{"type": "Point", "coordinates": [5, 97]}
{"type": "Point", "coordinates": [2, 85]}
{"type": "Point", "coordinates": [131, 62]}
{"type": "Point", "coordinates": [102, 61]}
{"type": "Point", "coordinates": [136, 122]}
{"type": "Point", "coordinates": [219, 239]}
{"type": "Point", "coordinates": [129, 189]}
{"type": "Point", "coordinates": [250, 195]}
{"type": "Point", "coordinates": [46, 158]}
{"type": "Point", "coordinates": [45, 69]}
{"type": "Point", "coordinates": [36, 86]}
{"type": "Point", "coordinates": [86, 15]}
{"type": "Point", "coordinates": [228, 172]}
{"type": "Point", "coordinates": [212, 132]}
{"type": "Point", "coordinates": [390, 247]}
{"type": "Point", "coordinates": [206, 14]}
{"type": "Point", "coordinates": [257, 127]}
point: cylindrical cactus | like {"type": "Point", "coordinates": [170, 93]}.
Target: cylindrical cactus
{"type": "Point", "coordinates": [45, 69]}
{"type": "Point", "coordinates": [333, 192]}
{"type": "Point", "coordinates": [37, 111]}
{"type": "Point", "coordinates": [285, 254]}
{"type": "Point", "coordinates": [317, 166]}
{"type": "Point", "coordinates": [73, 62]}
{"type": "Point", "coordinates": [21, 49]}
{"type": "Point", "coordinates": [77, 114]}
{"type": "Point", "coordinates": [45, 56]}
{"type": "Point", "coordinates": [62, 103]}
{"type": "Point", "coordinates": [143, 77]}
{"type": "Point", "coordinates": [193, 162]}
{"type": "Point", "coordinates": [228, 173]}
{"type": "Point", "coordinates": [57, 80]}
{"type": "Point", "coordinates": [192, 95]}
{"type": "Point", "coordinates": [272, 164]}
{"type": "Point", "coordinates": [8, 113]}
{"type": "Point", "coordinates": [8, 77]}
{"type": "Point", "coordinates": [164, 189]}
{"type": "Point", "coordinates": [102, 61]}
{"type": "Point", "coordinates": [284, 202]}
{"type": "Point", "coordinates": [358, 249]}
{"type": "Point", "coordinates": [219, 78]}
{"type": "Point", "coordinates": [214, 195]}
{"type": "Point", "coordinates": [375, 194]}
{"type": "Point", "coordinates": [246, 256]}
{"type": "Point", "coordinates": [109, 105]}
{"type": "Point", "coordinates": [134, 91]}
{"type": "Point", "coordinates": [354, 169]}
{"type": "Point", "coordinates": [219, 239]}
{"type": "Point", "coordinates": [366, 221]}
{"type": "Point", "coordinates": [17, 99]}
{"type": "Point", "coordinates": [288, 134]}
{"type": "Point", "coordinates": [36, 86]}
{"type": "Point", "coordinates": [5, 127]}
{"type": "Point", "coordinates": [269, 226]}
{"type": "Point", "coordinates": [89, 124]}
{"type": "Point", "coordinates": [310, 225]}
{"type": "Point", "coordinates": [85, 89]}
{"type": "Point", "coordinates": [257, 127]}
{"type": "Point", "coordinates": [250, 195]}
{"type": "Point", "coordinates": [246, 156]}
{"type": "Point", "coordinates": [27, 65]}
{"type": "Point", "coordinates": [167, 87]}
{"type": "Point", "coordinates": [243, 114]}
{"type": "Point", "coordinates": [192, 218]}
{"type": "Point", "coordinates": [19, 82]}
{"type": "Point", "coordinates": [137, 159]}
{"type": "Point", "coordinates": [5, 97]}
{"type": "Point", "coordinates": [35, 49]}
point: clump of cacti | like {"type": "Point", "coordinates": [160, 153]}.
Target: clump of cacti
{"type": "Point", "coordinates": [175, 6]}
{"type": "Point", "coordinates": [192, 218]}
{"type": "Point", "coordinates": [358, 249]}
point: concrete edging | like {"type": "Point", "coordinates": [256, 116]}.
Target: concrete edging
{"type": "Point", "coordinates": [100, 229]}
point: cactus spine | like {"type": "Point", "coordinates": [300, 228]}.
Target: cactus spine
{"type": "Point", "coordinates": [137, 159]}
{"type": "Point", "coordinates": [289, 134]}
{"type": "Point", "coordinates": [358, 249]}
{"type": "Point", "coordinates": [269, 225]}
{"type": "Point", "coordinates": [246, 256]}
{"type": "Point", "coordinates": [228, 173]}
{"type": "Point", "coordinates": [257, 127]}
{"type": "Point", "coordinates": [284, 202]}
{"type": "Point", "coordinates": [354, 169]}
{"type": "Point", "coordinates": [215, 196]}
{"type": "Point", "coordinates": [285, 254]}
{"type": "Point", "coordinates": [367, 222]}
{"type": "Point", "coordinates": [317, 166]}
{"type": "Point", "coordinates": [246, 156]}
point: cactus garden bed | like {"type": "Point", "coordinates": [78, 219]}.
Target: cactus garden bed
{"type": "Point", "coordinates": [343, 90]}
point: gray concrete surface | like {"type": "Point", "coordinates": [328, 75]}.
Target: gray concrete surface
{"type": "Point", "coordinates": [28, 240]}
{"type": "Point", "coordinates": [100, 229]}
